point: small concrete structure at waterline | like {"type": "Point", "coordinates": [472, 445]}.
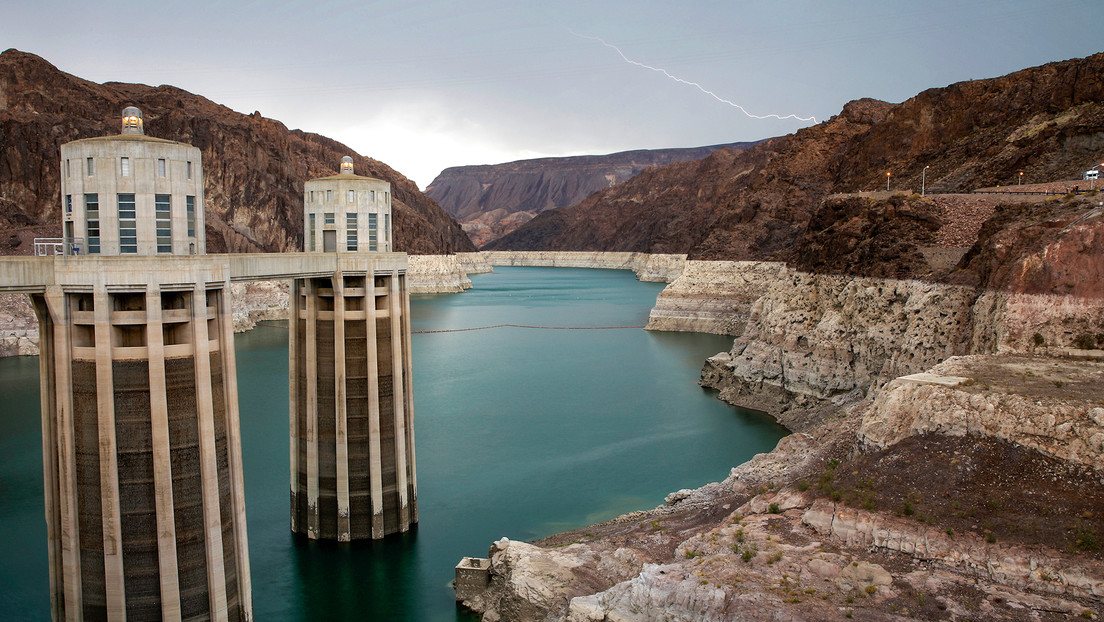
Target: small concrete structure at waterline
{"type": "Point", "coordinates": [144, 493]}
{"type": "Point", "coordinates": [473, 575]}
{"type": "Point", "coordinates": [352, 410]}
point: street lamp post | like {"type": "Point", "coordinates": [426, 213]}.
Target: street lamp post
{"type": "Point", "coordinates": [923, 178]}
{"type": "Point", "coordinates": [1021, 179]}
{"type": "Point", "coordinates": [887, 180]}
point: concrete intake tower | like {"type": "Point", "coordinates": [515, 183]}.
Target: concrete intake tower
{"type": "Point", "coordinates": [145, 506]}
{"type": "Point", "coordinates": [352, 411]}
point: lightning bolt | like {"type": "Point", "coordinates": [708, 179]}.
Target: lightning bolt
{"type": "Point", "coordinates": [689, 83]}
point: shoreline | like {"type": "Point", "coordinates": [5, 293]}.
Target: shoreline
{"type": "Point", "coordinates": [850, 364]}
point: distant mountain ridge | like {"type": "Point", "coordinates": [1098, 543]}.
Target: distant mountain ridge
{"type": "Point", "coordinates": [493, 199]}
{"type": "Point", "coordinates": [254, 167]}
{"type": "Point", "coordinates": [1047, 121]}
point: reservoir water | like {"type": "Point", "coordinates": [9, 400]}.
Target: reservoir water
{"type": "Point", "coordinates": [520, 433]}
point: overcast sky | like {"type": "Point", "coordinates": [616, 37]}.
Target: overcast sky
{"type": "Point", "coordinates": [423, 86]}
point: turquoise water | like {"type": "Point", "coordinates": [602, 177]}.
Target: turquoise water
{"type": "Point", "coordinates": [520, 433]}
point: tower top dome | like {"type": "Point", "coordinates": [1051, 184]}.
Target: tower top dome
{"type": "Point", "coordinates": [132, 121]}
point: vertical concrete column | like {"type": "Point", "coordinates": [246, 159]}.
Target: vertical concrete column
{"type": "Point", "coordinates": [398, 395]}
{"type": "Point", "coordinates": [114, 582]}
{"type": "Point", "coordinates": [312, 408]}
{"type": "Point", "coordinates": [208, 459]}
{"type": "Point", "coordinates": [341, 437]}
{"type": "Point", "coordinates": [408, 395]}
{"type": "Point", "coordinates": [375, 472]}
{"type": "Point", "coordinates": [162, 461]}
{"type": "Point", "coordinates": [293, 397]}
{"type": "Point", "coordinates": [59, 457]}
{"type": "Point", "coordinates": [46, 383]}
{"type": "Point", "coordinates": [233, 447]}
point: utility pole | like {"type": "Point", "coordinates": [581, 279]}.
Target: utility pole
{"type": "Point", "coordinates": [887, 180]}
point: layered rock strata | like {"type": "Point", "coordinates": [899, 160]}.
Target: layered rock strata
{"type": "Point", "coordinates": [713, 296]}
{"type": "Point", "coordinates": [436, 274]}
{"type": "Point", "coordinates": [1044, 411]}
{"type": "Point", "coordinates": [821, 336]}
{"type": "Point", "coordinates": [648, 267]}
{"type": "Point", "coordinates": [474, 263]}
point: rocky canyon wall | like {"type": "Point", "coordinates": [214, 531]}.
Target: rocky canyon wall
{"type": "Point", "coordinates": [713, 296]}
{"type": "Point", "coordinates": [436, 274]}
{"type": "Point", "coordinates": [823, 336]}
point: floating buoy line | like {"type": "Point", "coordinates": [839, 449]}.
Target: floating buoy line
{"type": "Point", "coordinates": [462, 330]}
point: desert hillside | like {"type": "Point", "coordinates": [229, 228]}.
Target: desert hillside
{"type": "Point", "coordinates": [494, 199]}
{"type": "Point", "coordinates": [254, 167]}
{"type": "Point", "coordinates": [1046, 121]}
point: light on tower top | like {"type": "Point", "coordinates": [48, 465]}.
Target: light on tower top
{"type": "Point", "coordinates": [132, 121]}
{"type": "Point", "coordinates": [346, 165]}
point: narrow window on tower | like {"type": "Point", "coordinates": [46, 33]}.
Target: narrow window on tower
{"type": "Point", "coordinates": [67, 173]}
{"type": "Point", "coordinates": [351, 231]}
{"type": "Point", "coordinates": [329, 196]}
{"type": "Point", "coordinates": [329, 217]}
{"type": "Point", "coordinates": [68, 204]}
{"type": "Point", "coordinates": [352, 196]}
{"type": "Point", "coordinates": [163, 213]}
{"type": "Point", "coordinates": [310, 233]}
{"type": "Point", "coordinates": [161, 167]}
{"type": "Point", "coordinates": [189, 205]}
{"type": "Point", "coordinates": [371, 232]}
{"type": "Point", "coordinates": [387, 228]}
{"type": "Point", "coordinates": [92, 221]}
{"type": "Point", "coordinates": [90, 165]}
{"type": "Point", "coordinates": [188, 168]}
{"type": "Point", "coordinates": [124, 167]}
{"type": "Point", "coordinates": [372, 196]}
{"type": "Point", "coordinates": [128, 224]}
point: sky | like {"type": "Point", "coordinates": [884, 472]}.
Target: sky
{"type": "Point", "coordinates": [422, 86]}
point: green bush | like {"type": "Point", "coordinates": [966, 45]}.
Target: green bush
{"type": "Point", "coordinates": [1084, 539]}
{"type": "Point", "coordinates": [749, 553]}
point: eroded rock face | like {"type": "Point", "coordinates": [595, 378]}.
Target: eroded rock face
{"type": "Point", "coordinates": [18, 326]}
{"type": "Point", "coordinates": [257, 301]}
{"type": "Point", "coordinates": [432, 274]}
{"type": "Point", "coordinates": [822, 336]}
{"type": "Point", "coordinates": [533, 583]}
{"type": "Point", "coordinates": [254, 168]}
{"type": "Point", "coordinates": [1046, 411]}
{"type": "Point", "coordinates": [713, 296]}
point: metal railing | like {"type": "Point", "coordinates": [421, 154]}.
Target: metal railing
{"type": "Point", "coordinates": [44, 247]}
